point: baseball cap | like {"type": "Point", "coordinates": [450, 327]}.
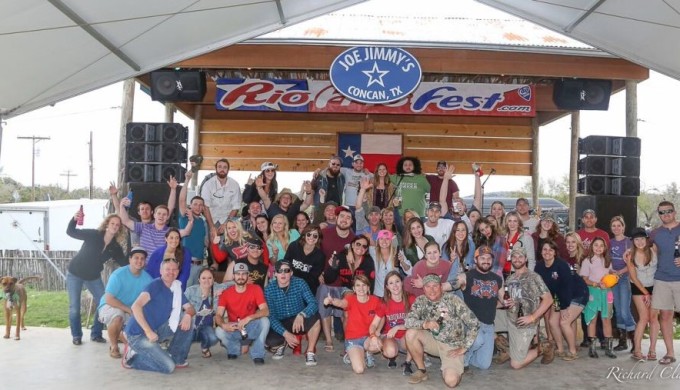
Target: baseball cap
{"type": "Point", "coordinates": [253, 241]}
{"type": "Point", "coordinates": [638, 232]}
{"type": "Point", "coordinates": [340, 209]}
{"type": "Point", "coordinates": [358, 157]}
{"type": "Point", "coordinates": [588, 211]}
{"type": "Point", "coordinates": [138, 249]}
{"type": "Point", "coordinates": [518, 250]}
{"type": "Point", "coordinates": [525, 200]}
{"type": "Point", "coordinates": [441, 163]}
{"type": "Point", "coordinates": [484, 250]}
{"type": "Point", "coordinates": [548, 216]}
{"type": "Point", "coordinates": [281, 263]}
{"type": "Point", "coordinates": [240, 267]}
{"type": "Point", "coordinates": [268, 165]}
{"type": "Point", "coordinates": [429, 278]}
{"type": "Point", "coordinates": [434, 205]}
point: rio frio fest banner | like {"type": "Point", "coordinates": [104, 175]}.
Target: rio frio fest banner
{"type": "Point", "coordinates": [429, 98]}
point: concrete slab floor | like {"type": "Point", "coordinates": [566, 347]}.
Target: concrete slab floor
{"type": "Point", "coordinates": [45, 359]}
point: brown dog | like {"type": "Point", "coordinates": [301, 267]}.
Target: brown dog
{"type": "Point", "coordinates": [15, 297]}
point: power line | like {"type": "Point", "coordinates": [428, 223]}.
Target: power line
{"type": "Point", "coordinates": [35, 140]}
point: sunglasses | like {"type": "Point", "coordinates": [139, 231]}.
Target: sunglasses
{"type": "Point", "coordinates": [284, 271]}
{"type": "Point", "coordinates": [312, 235]}
{"type": "Point", "coordinates": [665, 212]}
{"type": "Point", "coordinates": [255, 247]}
{"type": "Point", "coordinates": [360, 245]}
{"type": "Point", "coordinates": [269, 170]}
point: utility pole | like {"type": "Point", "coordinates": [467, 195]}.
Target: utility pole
{"type": "Point", "coordinates": [68, 175]}
{"type": "Point", "coordinates": [91, 169]}
{"type": "Point", "coordinates": [35, 141]}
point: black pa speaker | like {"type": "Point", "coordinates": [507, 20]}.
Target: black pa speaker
{"type": "Point", "coordinates": [595, 144]}
{"type": "Point", "coordinates": [594, 185]}
{"type": "Point", "coordinates": [626, 146]}
{"type": "Point", "coordinates": [169, 85]}
{"type": "Point", "coordinates": [143, 172]}
{"type": "Point", "coordinates": [140, 132]}
{"type": "Point", "coordinates": [607, 207]}
{"type": "Point", "coordinates": [582, 94]}
{"type": "Point", "coordinates": [625, 186]}
{"type": "Point", "coordinates": [603, 165]}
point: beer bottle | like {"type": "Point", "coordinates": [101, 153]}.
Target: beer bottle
{"type": "Point", "coordinates": [440, 322]}
{"type": "Point", "coordinates": [520, 312]}
{"type": "Point", "coordinates": [676, 254]}
{"type": "Point", "coordinates": [506, 298]}
{"type": "Point", "coordinates": [244, 333]}
{"type": "Point", "coordinates": [81, 218]}
{"type": "Point", "coordinates": [556, 302]}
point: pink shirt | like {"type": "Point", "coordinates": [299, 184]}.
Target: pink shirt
{"type": "Point", "coordinates": [594, 270]}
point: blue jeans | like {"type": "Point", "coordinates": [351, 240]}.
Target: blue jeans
{"type": "Point", "coordinates": [206, 335]}
{"type": "Point", "coordinates": [480, 353]}
{"type": "Point", "coordinates": [622, 298]}
{"type": "Point", "coordinates": [74, 286]}
{"type": "Point", "coordinates": [151, 357]}
{"type": "Point", "coordinates": [257, 331]}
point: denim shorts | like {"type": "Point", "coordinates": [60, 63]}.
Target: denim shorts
{"type": "Point", "coordinates": [354, 343]}
{"type": "Point", "coordinates": [580, 301]}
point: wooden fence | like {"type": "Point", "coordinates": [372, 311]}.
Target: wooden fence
{"type": "Point", "coordinates": [24, 263]}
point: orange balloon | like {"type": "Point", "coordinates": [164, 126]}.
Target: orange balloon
{"type": "Point", "coordinates": [610, 280]}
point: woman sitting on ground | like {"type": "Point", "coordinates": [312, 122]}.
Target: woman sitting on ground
{"type": "Point", "coordinates": [397, 304]}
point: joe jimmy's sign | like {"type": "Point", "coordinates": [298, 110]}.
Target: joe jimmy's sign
{"type": "Point", "coordinates": [375, 75]}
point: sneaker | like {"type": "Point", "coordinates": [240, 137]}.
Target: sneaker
{"type": "Point", "coordinates": [77, 341]}
{"type": "Point", "coordinates": [370, 360]}
{"type": "Point", "coordinates": [278, 354]}
{"type": "Point", "coordinates": [392, 363]}
{"type": "Point", "coordinates": [98, 339]}
{"type": "Point", "coordinates": [231, 357]}
{"type": "Point", "coordinates": [258, 361]}
{"type": "Point", "coordinates": [407, 370]}
{"type": "Point", "coordinates": [182, 365]}
{"type": "Point", "coordinates": [345, 359]}
{"type": "Point", "coordinates": [311, 359]}
{"type": "Point", "coordinates": [417, 377]}
{"type": "Point", "coordinates": [128, 354]}
{"type": "Point", "coordinates": [501, 358]}
{"type": "Point", "coordinates": [428, 362]}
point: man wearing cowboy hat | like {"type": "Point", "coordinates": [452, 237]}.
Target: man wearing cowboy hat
{"type": "Point", "coordinates": [287, 203]}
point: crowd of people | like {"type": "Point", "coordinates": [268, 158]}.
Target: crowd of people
{"type": "Point", "coordinates": [386, 264]}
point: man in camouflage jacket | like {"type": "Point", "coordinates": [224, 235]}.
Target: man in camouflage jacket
{"type": "Point", "coordinates": [441, 325]}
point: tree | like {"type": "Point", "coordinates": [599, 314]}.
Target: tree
{"type": "Point", "coordinates": [9, 186]}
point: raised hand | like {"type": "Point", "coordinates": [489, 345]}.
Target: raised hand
{"type": "Point", "coordinates": [172, 183]}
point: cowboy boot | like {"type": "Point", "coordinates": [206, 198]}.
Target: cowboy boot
{"type": "Point", "coordinates": [623, 341]}
{"type": "Point", "coordinates": [608, 352]}
{"type": "Point", "coordinates": [592, 350]}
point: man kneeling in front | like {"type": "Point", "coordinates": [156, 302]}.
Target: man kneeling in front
{"type": "Point", "coordinates": [157, 318]}
{"type": "Point", "coordinates": [441, 325]}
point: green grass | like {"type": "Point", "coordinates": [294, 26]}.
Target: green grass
{"type": "Point", "coordinates": [45, 308]}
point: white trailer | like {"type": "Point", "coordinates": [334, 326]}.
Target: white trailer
{"type": "Point", "coordinates": [42, 225]}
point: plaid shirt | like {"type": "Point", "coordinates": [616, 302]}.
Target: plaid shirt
{"type": "Point", "coordinates": [289, 302]}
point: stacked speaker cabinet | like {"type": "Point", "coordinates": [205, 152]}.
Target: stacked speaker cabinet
{"type": "Point", "coordinates": [611, 166]}
{"type": "Point", "coordinates": [155, 151]}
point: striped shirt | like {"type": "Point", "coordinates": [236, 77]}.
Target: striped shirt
{"type": "Point", "coordinates": [288, 302]}
{"type": "Point", "coordinates": [150, 238]}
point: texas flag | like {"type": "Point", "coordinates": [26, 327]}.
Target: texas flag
{"type": "Point", "coordinates": [374, 148]}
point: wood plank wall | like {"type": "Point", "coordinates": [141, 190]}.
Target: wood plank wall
{"type": "Point", "coordinates": [304, 145]}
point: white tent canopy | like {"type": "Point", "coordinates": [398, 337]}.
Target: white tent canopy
{"type": "Point", "coordinates": [56, 49]}
{"type": "Point", "coordinates": [645, 32]}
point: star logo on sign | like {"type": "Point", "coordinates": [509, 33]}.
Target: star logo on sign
{"type": "Point", "coordinates": [349, 152]}
{"type": "Point", "coordinates": [375, 75]}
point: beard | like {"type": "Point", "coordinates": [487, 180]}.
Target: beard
{"type": "Point", "coordinates": [221, 175]}
{"type": "Point", "coordinates": [484, 268]}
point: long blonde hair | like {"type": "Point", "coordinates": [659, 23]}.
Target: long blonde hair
{"type": "Point", "coordinates": [121, 236]}
{"type": "Point", "coordinates": [282, 238]}
{"type": "Point", "coordinates": [392, 256]}
{"type": "Point", "coordinates": [241, 233]}
{"type": "Point", "coordinates": [580, 252]}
